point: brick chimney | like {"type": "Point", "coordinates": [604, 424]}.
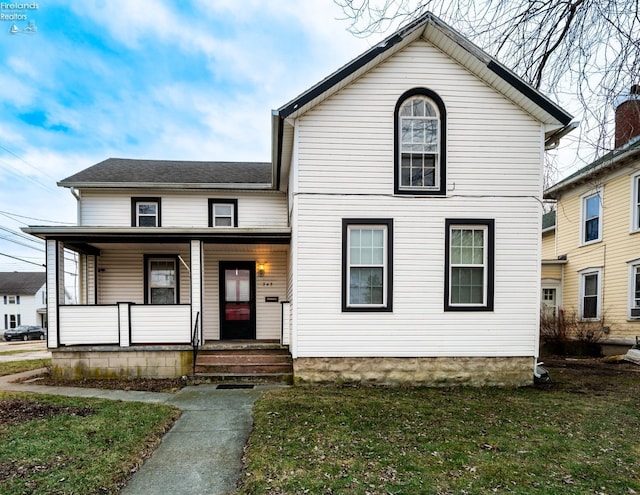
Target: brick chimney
{"type": "Point", "coordinates": [628, 117]}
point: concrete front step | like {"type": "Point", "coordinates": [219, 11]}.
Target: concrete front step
{"type": "Point", "coordinates": [243, 368]}
{"type": "Point", "coordinates": [263, 363]}
{"type": "Point", "coordinates": [223, 359]}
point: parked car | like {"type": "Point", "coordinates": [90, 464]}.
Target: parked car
{"type": "Point", "coordinates": [24, 332]}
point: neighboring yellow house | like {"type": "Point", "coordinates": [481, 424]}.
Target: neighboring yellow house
{"type": "Point", "coordinates": [591, 243]}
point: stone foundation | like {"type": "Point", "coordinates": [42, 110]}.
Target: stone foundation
{"type": "Point", "coordinates": [106, 362]}
{"type": "Point", "coordinates": [419, 371]}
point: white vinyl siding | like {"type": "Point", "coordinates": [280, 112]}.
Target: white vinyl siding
{"type": "Point", "coordinates": [418, 325]}
{"type": "Point", "coordinates": [121, 272]}
{"type": "Point", "coordinates": [344, 160]}
{"type": "Point", "coordinates": [88, 325]}
{"type": "Point", "coordinates": [183, 209]}
{"type": "Point", "coordinates": [346, 144]}
{"type": "Point", "coordinates": [160, 324]}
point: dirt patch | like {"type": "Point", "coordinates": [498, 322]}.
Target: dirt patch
{"type": "Point", "coordinates": [14, 411]}
{"type": "Point", "coordinates": [166, 385]}
{"type": "Point", "coordinates": [589, 375]}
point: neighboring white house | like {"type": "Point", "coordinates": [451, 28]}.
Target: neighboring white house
{"type": "Point", "coordinates": [23, 299]}
{"type": "Point", "coordinates": [393, 237]}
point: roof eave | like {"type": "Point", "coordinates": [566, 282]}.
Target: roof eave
{"type": "Point", "coordinates": [164, 185]}
{"type": "Point", "coordinates": [618, 158]}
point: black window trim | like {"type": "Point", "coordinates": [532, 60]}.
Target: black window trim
{"type": "Point", "coordinates": [442, 162]}
{"type": "Point", "coordinates": [485, 222]}
{"type": "Point", "coordinates": [217, 201]}
{"type": "Point", "coordinates": [388, 223]}
{"type": "Point", "coordinates": [134, 209]}
{"type": "Point", "coordinates": [149, 257]}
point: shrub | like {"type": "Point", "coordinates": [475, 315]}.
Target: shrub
{"type": "Point", "coordinates": [568, 334]}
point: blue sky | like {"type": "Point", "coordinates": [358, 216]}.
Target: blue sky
{"type": "Point", "coordinates": [191, 80]}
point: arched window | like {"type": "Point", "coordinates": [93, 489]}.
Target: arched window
{"type": "Point", "coordinates": [420, 143]}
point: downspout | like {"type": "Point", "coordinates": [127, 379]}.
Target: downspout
{"type": "Point", "coordinates": [75, 194]}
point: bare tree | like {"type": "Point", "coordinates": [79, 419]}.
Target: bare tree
{"type": "Point", "coordinates": [584, 53]}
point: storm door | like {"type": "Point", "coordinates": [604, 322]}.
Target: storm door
{"type": "Point", "coordinates": [237, 300]}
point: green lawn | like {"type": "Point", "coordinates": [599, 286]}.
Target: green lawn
{"type": "Point", "coordinates": [578, 436]}
{"type": "Point", "coordinates": [74, 446]}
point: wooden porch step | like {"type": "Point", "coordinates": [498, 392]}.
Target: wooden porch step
{"type": "Point", "coordinates": [244, 363]}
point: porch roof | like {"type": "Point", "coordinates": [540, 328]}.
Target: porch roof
{"type": "Point", "coordinates": [81, 238]}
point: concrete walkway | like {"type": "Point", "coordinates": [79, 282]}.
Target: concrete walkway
{"type": "Point", "coordinates": [201, 454]}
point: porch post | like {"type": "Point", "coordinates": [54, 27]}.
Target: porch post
{"type": "Point", "coordinates": [124, 323]}
{"type": "Point", "coordinates": [196, 287]}
{"type": "Point", "coordinates": [55, 289]}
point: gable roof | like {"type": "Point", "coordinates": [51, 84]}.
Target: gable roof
{"type": "Point", "coordinates": [613, 160]}
{"type": "Point", "coordinates": [122, 172]}
{"type": "Point", "coordinates": [18, 283]}
{"type": "Point", "coordinates": [432, 29]}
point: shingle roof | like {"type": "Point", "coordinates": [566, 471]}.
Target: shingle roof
{"type": "Point", "coordinates": [16, 283]}
{"type": "Point", "coordinates": [128, 172]}
{"type": "Point", "coordinates": [613, 159]}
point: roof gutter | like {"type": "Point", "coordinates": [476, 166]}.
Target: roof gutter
{"type": "Point", "coordinates": [555, 190]}
{"type": "Point", "coordinates": [553, 140]}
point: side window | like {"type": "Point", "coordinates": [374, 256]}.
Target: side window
{"type": "Point", "coordinates": [145, 212]}
{"type": "Point", "coordinates": [591, 218]}
{"type": "Point", "coordinates": [634, 290]}
{"type": "Point", "coordinates": [367, 264]}
{"type": "Point", "coordinates": [590, 283]}
{"type": "Point", "coordinates": [161, 280]}
{"type": "Point", "coordinates": [420, 143]}
{"type": "Point", "coordinates": [469, 260]}
{"type": "Point", "coordinates": [635, 203]}
{"type": "Point", "coordinates": [223, 212]}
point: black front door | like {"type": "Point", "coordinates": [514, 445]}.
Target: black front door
{"type": "Point", "coordinates": [237, 300]}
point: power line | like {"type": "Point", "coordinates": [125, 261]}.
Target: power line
{"type": "Point", "coordinates": [26, 162]}
{"type": "Point", "coordinates": [20, 259]}
{"type": "Point", "coordinates": [21, 243]}
{"type": "Point", "coordinates": [22, 235]}
{"type": "Point", "coordinates": [10, 215]}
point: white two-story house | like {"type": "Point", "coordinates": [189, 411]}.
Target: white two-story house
{"type": "Point", "coordinates": [393, 237]}
{"type": "Point", "coordinates": [23, 299]}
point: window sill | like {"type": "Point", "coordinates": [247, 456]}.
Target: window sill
{"type": "Point", "coordinates": [590, 243]}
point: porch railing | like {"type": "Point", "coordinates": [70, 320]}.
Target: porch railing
{"type": "Point", "coordinates": [124, 324]}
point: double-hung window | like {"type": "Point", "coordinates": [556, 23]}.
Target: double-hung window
{"type": "Point", "coordinates": [223, 213]}
{"type": "Point", "coordinates": [469, 278]}
{"type": "Point", "coordinates": [367, 264]}
{"type": "Point", "coordinates": [635, 203]}
{"type": "Point", "coordinates": [634, 289]}
{"type": "Point", "coordinates": [590, 283]}
{"type": "Point", "coordinates": [161, 280]}
{"type": "Point", "coordinates": [420, 143]}
{"type": "Point", "coordinates": [145, 212]}
{"type": "Point", "coordinates": [591, 217]}
{"type": "Point", "coordinates": [11, 321]}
